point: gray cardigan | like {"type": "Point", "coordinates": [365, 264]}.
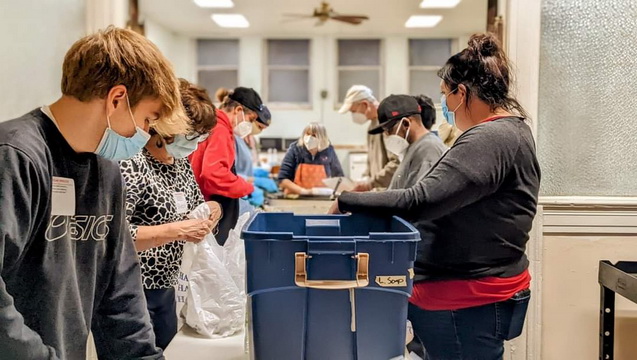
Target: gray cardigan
{"type": "Point", "coordinates": [479, 199]}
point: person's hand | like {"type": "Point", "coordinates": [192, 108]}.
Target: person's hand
{"type": "Point", "coordinates": [363, 186]}
{"type": "Point", "coordinates": [256, 198]}
{"type": "Point", "coordinates": [193, 230]}
{"type": "Point", "coordinates": [215, 211]}
{"type": "Point", "coordinates": [334, 210]}
{"type": "Point", "coordinates": [306, 192]}
{"type": "Point", "coordinates": [266, 184]}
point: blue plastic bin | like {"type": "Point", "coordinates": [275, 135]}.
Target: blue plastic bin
{"type": "Point", "coordinates": [328, 287]}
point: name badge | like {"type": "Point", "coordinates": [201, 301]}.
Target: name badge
{"type": "Point", "coordinates": [180, 202]}
{"type": "Point", "coordinates": [62, 196]}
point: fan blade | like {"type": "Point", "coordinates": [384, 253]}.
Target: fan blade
{"type": "Point", "coordinates": [358, 17]}
{"type": "Point", "coordinates": [354, 20]}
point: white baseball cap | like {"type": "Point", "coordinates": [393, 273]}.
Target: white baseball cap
{"type": "Point", "coordinates": [354, 94]}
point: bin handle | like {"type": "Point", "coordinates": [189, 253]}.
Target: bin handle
{"type": "Point", "coordinates": [300, 274]}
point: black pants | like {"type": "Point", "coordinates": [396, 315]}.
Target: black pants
{"type": "Point", "coordinates": [163, 314]}
{"type": "Point", "coordinates": [230, 216]}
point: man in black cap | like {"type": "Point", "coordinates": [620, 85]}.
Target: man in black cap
{"type": "Point", "coordinates": [246, 156]}
{"type": "Point", "coordinates": [406, 121]}
{"type": "Point", "coordinates": [249, 98]}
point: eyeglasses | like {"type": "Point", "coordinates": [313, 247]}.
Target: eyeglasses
{"type": "Point", "coordinates": [197, 136]}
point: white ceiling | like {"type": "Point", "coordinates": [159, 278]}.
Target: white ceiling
{"type": "Point", "coordinates": [387, 17]}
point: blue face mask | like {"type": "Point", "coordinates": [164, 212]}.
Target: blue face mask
{"type": "Point", "coordinates": [181, 146]}
{"type": "Point", "coordinates": [117, 147]}
{"type": "Point", "coordinates": [450, 116]}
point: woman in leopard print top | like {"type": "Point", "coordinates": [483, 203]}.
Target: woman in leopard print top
{"type": "Point", "coordinates": [161, 192]}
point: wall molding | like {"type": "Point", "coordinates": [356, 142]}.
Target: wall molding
{"type": "Point", "coordinates": [589, 215]}
{"type": "Point", "coordinates": [589, 201]}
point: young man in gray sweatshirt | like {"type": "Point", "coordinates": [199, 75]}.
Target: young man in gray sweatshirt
{"type": "Point", "coordinates": [406, 121]}
{"type": "Point", "coordinates": [67, 262]}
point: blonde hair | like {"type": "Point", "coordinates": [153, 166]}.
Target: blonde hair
{"type": "Point", "coordinates": [318, 130]}
{"type": "Point", "coordinates": [98, 62]}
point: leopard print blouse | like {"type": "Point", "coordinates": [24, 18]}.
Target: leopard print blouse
{"type": "Point", "coordinates": [155, 195]}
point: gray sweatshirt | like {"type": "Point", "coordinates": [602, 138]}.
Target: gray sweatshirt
{"type": "Point", "coordinates": [65, 268]}
{"type": "Point", "coordinates": [419, 158]}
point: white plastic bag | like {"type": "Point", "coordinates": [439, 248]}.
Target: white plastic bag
{"type": "Point", "coordinates": [211, 292]}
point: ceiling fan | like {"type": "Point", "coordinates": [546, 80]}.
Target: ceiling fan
{"type": "Point", "coordinates": [325, 12]}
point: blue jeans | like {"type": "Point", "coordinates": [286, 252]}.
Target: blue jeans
{"type": "Point", "coordinates": [476, 333]}
{"type": "Point", "coordinates": [163, 314]}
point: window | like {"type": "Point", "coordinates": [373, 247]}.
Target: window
{"type": "Point", "coordinates": [217, 64]}
{"type": "Point", "coordinates": [359, 63]}
{"type": "Point", "coordinates": [288, 71]}
{"type": "Point", "coordinates": [426, 57]}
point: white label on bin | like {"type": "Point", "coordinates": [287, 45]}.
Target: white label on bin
{"type": "Point", "coordinates": [391, 281]}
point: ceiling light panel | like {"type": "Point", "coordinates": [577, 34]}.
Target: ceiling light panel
{"type": "Point", "coordinates": [230, 20]}
{"type": "Point", "coordinates": [439, 4]}
{"type": "Point", "coordinates": [423, 21]}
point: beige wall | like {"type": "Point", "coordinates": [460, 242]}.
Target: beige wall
{"type": "Point", "coordinates": [570, 296]}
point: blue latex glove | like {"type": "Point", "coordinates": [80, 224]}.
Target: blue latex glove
{"type": "Point", "coordinates": [256, 198]}
{"type": "Point", "coordinates": [261, 173]}
{"type": "Point", "coordinates": [266, 184]}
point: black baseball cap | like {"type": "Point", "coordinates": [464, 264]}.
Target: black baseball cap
{"type": "Point", "coordinates": [395, 107]}
{"type": "Point", "coordinates": [250, 98]}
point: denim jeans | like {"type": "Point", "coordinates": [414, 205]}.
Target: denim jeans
{"type": "Point", "coordinates": [476, 333]}
{"type": "Point", "coordinates": [163, 314]}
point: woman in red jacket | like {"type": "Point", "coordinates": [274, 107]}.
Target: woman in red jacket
{"type": "Point", "coordinates": [213, 161]}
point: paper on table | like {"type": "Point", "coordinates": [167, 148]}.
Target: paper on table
{"type": "Point", "coordinates": [320, 191]}
{"type": "Point", "coordinates": [346, 184]}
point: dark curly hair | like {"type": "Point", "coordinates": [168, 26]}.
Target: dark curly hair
{"type": "Point", "coordinates": [484, 69]}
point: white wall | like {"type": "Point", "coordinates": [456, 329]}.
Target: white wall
{"type": "Point", "coordinates": [289, 122]}
{"type": "Point", "coordinates": [35, 35]}
{"type": "Point", "coordinates": [179, 49]}
{"type": "Point", "coordinates": [570, 318]}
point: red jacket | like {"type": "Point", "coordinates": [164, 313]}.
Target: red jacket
{"type": "Point", "coordinates": [212, 163]}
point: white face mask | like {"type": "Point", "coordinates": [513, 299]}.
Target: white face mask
{"type": "Point", "coordinates": [395, 143]}
{"type": "Point", "coordinates": [359, 118]}
{"type": "Point", "coordinates": [244, 128]}
{"type": "Point", "coordinates": [311, 142]}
